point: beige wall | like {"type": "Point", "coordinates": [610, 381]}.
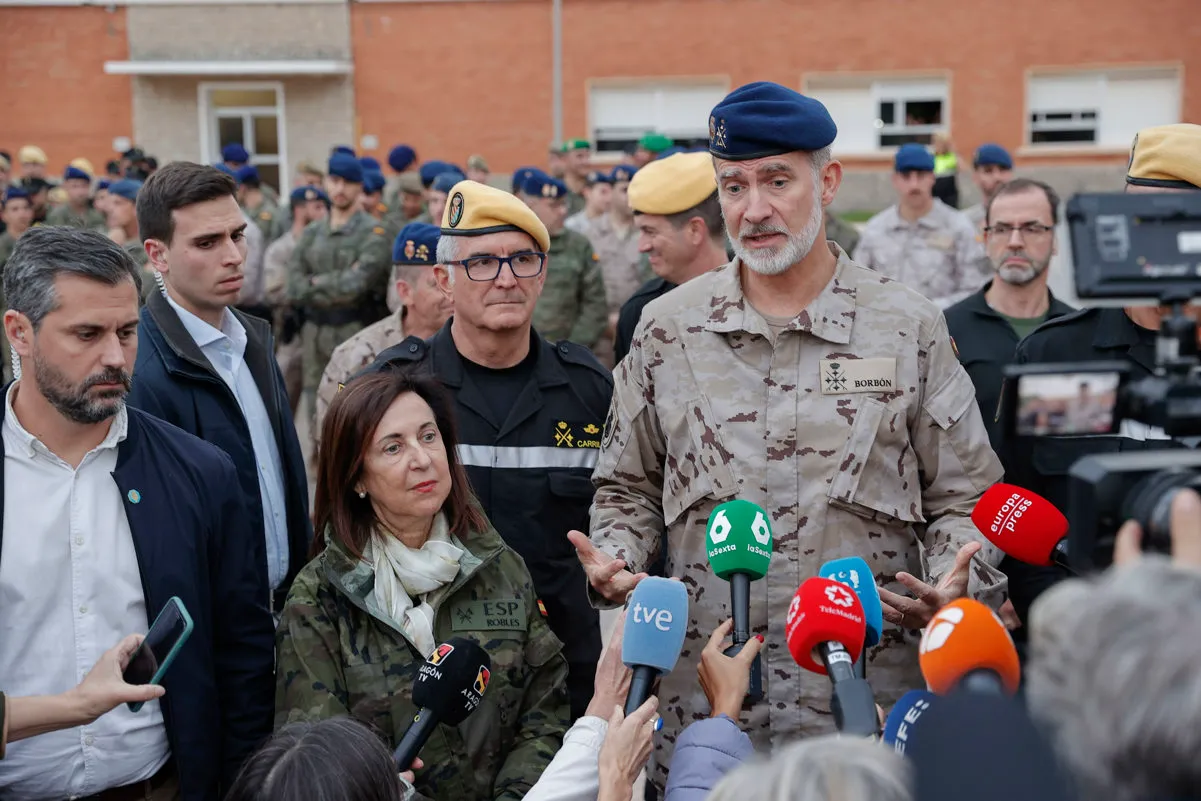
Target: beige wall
{"type": "Point", "coordinates": [249, 32]}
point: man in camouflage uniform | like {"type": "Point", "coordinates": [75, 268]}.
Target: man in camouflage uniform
{"type": "Point", "coordinates": [577, 154]}
{"type": "Point", "coordinates": [402, 159]}
{"type": "Point", "coordinates": [339, 272]}
{"type": "Point", "coordinates": [122, 220]}
{"type": "Point", "coordinates": [422, 309]}
{"type": "Point", "coordinates": [798, 380]}
{"type": "Point", "coordinates": [598, 195]}
{"type": "Point", "coordinates": [615, 239]}
{"type": "Point", "coordinates": [920, 241]}
{"type": "Point", "coordinates": [573, 304]}
{"type": "Point", "coordinates": [17, 214]}
{"type": "Point", "coordinates": [265, 214]}
{"type": "Point", "coordinates": [77, 212]}
{"type": "Point", "coordinates": [408, 201]}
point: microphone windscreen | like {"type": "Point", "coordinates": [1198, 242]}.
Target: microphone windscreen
{"type": "Point", "coordinates": [965, 635]}
{"type": "Point", "coordinates": [1025, 526]}
{"type": "Point", "coordinates": [656, 621]}
{"type": "Point", "coordinates": [452, 681]}
{"type": "Point", "coordinates": [901, 729]}
{"type": "Point", "coordinates": [854, 572]}
{"type": "Point", "coordinates": [823, 611]}
{"type": "Point", "coordinates": [738, 540]}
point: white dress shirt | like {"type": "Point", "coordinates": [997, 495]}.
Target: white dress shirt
{"type": "Point", "coordinates": [226, 350]}
{"type": "Point", "coordinates": [70, 589]}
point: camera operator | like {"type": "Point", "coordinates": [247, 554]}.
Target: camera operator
{"type": "Point", "coordinates": [1163, 159]}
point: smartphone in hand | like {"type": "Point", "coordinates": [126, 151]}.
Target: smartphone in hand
{"type": "Point", "coordinates": [170, 631]}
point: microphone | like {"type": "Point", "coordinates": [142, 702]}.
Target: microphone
{"type": "Point", "coordinates": [966, 646]}
{"type": "Point", "coordinates": [826, 619]}
{"type": "Point", "coordinates": [653, 634]}
{"type": "Point", "coordinates": [738, 544]}
{"type": "Point", "coordinates": [450, 685]}
{"type": "Point", "coordinates": [855, 573]}
{"type": "Point", "coordinates": [901, 726]}
{"type": "Point", "coordinates": [1024, 525]}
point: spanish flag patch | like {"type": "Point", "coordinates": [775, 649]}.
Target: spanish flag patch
{"type": "Point", "coordinates": [542, 607]}
{"type": "Point", "coordinates": [379, 229]}
{"type": "Point", "coordinates": [954, 347]}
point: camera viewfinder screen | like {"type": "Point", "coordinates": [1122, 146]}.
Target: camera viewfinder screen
{"type": "Point", "coordinates": [1066, 404]}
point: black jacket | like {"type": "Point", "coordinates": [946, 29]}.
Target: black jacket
{"type": "Point", "coordinates": [631, 313]}
{"type": "Point", "coordinates": [193, 540]}
{"type": "Point", "coordinates": [174, 381]}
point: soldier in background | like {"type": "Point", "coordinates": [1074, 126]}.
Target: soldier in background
{"type": "Point", "coordinates": [649, 148]}
{"type": "Point", "coordinates": [991, 167]}
{"type": "Point", "coordinates": [121, 211]}
{"type": "Point", "coordinates": [615, 239]}
{"type": "Point", "coordinates": [256, 206]}
{"type": "Point", "coordinates": [372, 198]}
{"type": "Point", "coordinates": [408, 203]}
{"type": "Point", "coordinates": [309, 173]}
{"type": "Point", "coordinates": [401, 160]}
{"type": "Point", "coordinates": [18, 218]}
{"type": "Point", "coordinates": [577, 158]}
{"type": "Point", "coordinates": [598, 195]}
{"type": "Point", "coordinates": [572, 305]}
{"type": "Point", "coordinates": [234, 157]}
{"type": "Point", "coordinates": [477, 169]}
{"type": "Point", "coordinates": [77, 212]}
{"type": "Point", "coordinates": [32, 161]}
{"type": "Point", "coordinates": [841, 232]}
{"type": "Point", "coordinates": [439, 191]}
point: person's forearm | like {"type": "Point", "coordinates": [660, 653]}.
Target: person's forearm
{"type": "Point", "coordinates": [40, 714]}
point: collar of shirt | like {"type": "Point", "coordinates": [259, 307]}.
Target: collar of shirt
{"type": "Point", "coordinates": [205, 335]}
{"type": "Point", "coordinates": [978, 303]}
{"type": "Point", "coordinates": [33, 446]}
{"type": "Point", "coordinates": [934, 219]}
{"type": "Point", "coordinates": [829, 317]}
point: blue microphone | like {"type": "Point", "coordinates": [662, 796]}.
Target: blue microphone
{"type": "Point", "coordinates": [656, 620]}
{"type": "Point", "coordinates": [901, 726]}
{"type": "Point", "coordinates": [855, 573]}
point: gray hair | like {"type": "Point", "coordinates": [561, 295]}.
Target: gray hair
{"type": "Point", "coordinates": [827, 768]}
{"type": "Point", "coordinates": [1113, 678]}
{"type": "Point", "coordinates": [820, 158]}
{"type": "Point", "coordinates": [448, 251]}
{"type": "Point", "coordinates": [44, 253]}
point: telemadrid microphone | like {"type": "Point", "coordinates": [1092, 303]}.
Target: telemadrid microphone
{"type": "Point", "coordinates": [825, 620]}
{"type": "Point", "coordinates": [738, 544]}
{"type": "Point", "coordinates": [901, 726]}
{"type": "Point", "coordinates": [854, 572]}
{"type": "Point", "coordinates": [965, 646]}
{"type": "Point", "coordinates": [450, 685]}
{"type": "Point", "coordinates": [1023, 525]}
{"type": "Point", "coordinates": [653, 636]}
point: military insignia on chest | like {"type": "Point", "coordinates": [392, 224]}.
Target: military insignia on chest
{"type": "Point", "coordinates": [845, 376]}
{"type": "Point", "coordinates": [568, 434]}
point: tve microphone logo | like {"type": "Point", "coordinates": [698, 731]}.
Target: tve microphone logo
{"type": "Point", "coordinates": [659, 618]}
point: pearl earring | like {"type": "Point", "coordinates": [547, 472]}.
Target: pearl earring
{"type": "Point", "coordinates": [362, 494]}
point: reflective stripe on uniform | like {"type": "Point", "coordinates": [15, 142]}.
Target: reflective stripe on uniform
{"type": "Point", "coordinates": [542, 456]}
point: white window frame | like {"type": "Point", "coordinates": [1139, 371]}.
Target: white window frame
{"type": "Point", "coordinates": [1077, 122]}
{"type": "Point", "coordinates": [883, 92]}
{"type": "Point", "coordinates": [887, 87]}
{"type": "Point", "coordinates": [210, 153]}
{"type": "Point", "coordinates": [721, 85]}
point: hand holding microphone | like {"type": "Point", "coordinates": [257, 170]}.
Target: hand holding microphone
{"type": "Point", "coordinates": [726, 679]}
{"type": "Point", "coordinates": [967, 647]}
{"type": "Point", "coordinates": [653, 635]}
{"type": "Point", "coordinates": [450, 686]}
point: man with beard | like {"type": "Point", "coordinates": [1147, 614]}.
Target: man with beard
{"type": "Point", "coordinates": [110, 513]}
{"type": "Point", "coordinates": [820, 390]}
{"type": "Point", "coordinates": [988, 325]}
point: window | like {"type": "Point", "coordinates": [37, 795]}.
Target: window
{"type": "Point", "coordinates": [250, 114]}
{"type": "Point", "coordinates": [1100, 108]}
{"type": "Point", "coordinates": [621, 115]}
{"type": "Point", "coordinates": [880, 114]}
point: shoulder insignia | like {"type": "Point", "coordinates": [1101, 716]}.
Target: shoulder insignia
{"type": "Point", "coordinates": [264, 215]}
{"type": "Point", "coordinates": [595, 257]}
{"type": "Point", "coordinates": [379, 229]}
{"type": "Point", "coordinates": [542, 608]}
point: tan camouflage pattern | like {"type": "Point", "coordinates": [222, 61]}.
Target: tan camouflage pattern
{"type": "Point", "coordinates": [622, 266]}
{"type": "Point", "coordinates": [940, 255]}
{"type": "Point", "coordinates": [92, 219]}
{"type": "Point", "coordinates": [275, 269]}
{"type": "Point", "coordinates": [339, 655]}
{"type": "Point", "coordinates": [706, 409]}
{"type": "Point", "coordinates": [573, 304]}
{"type": "Point", "coordinates": [353, 355]}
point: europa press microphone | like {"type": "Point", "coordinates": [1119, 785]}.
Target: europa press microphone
{"type": "Point", "coordinates": [901, 726]}
{"type": "Point", "coordinates": [825, 620]}
{"type": "Point", "coordinates": [653, 636]}
{"type": "Point", "coordinates": [1023, 525]}
{"type": "Point", "coordinates": [854, 572]}
{"type": "Point", "coordinates": [738, 544]}
{"type": "Point", "coordinates": [965, 646]}
{"type": "Point", "coordinates": [450, 685]}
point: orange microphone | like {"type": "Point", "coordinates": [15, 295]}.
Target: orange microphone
{"type": "Point", "coordinates": [966, 646]}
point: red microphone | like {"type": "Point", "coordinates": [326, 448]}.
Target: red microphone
{"type": "Point", "coordinates": [966, 645]}
{"type": "Point", "coordinates": [1023, 525]}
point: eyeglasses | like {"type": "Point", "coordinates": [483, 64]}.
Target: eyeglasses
{"type": "Point", "coordinates": [1027, 230]}
{"type": "Point", "coordinates": [487, 268]}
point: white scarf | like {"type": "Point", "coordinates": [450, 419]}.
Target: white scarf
{"type": "Point", "coordinates": [404, 575]}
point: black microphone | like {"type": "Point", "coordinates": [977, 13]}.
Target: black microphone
{"type": "Point", "coordinates": [450, 685]}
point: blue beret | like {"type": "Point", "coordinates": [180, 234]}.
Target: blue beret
{"type": "Point", "coordinates": [417, 243]}
{"type": "Point", "coordinates": [15, 193]}
{"type": "Point", "coordinates": [373, 181]}
{"type": "Point", "coordinates": [249, 175]}
{"type": "Point", "coordinates": [126, 188]}
{"type": "Point", "coordinates": [347, 149]}
{"type": "Point", "coordinates": [74, 173]}
{"type": "Point", "coordinates": [766, 119]}
{"type": "Point", "coordinates": [103, 184]}
{"type": "Point", "coordinates": [302, 194]}
{"type": "Point", "coordinates": [235, 153]}
{"type": "Point", "coordinates": [520, 174]}
{"type": "Point", "coordinates": [431, 170]}
{"type": "Point", "coordinates": [622, 172]}
{"type": "Point", "coordinates": [993, 154]}
{"type": "Point", "coordinates": [445, 181]}
{"type": "Point", "coordinates": [345, 167]}
{"type": "Point", "coordinates": [401, 157]}
{"type": "Point", "coordinates": [370, 163]}
{"type": "Point", "coordinates": [539, 184]}
{"type": "Point", "coordinates": [912, 156]}
{"type": "Point", "coordinates": [599, 177]}
{"type": "Point", "coordinates": [225, 169]}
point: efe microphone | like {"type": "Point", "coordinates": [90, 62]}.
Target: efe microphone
{"type": "Point", "coordinates": [966, 646]}
{"type": "Point", "coordinates": [855, 573]}
{"type": "Point", "coordinates": [1024, 525]}
{"type": "Point", "coordinates": [738, 544]}
{"type": "Point", "coordinates": [901, 727]}
{"type": "Point", "coordinates": [450, 685]}
{"type": "Point", "coordinates": [653, 636]}
{"type": "Point", "coordinates": [825, 620]}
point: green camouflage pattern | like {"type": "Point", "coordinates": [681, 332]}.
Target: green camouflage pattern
{"type": "Point", "coordinates": [137, 251]}
{"type": "Point", "coordinates": [841, 232]}
{"type": "Point", "coordinates": [573, 304]}
{"type": "Point", "coordinates": [338, 654]}
{"type": "Point", "coordinates": [269, 219]}
{"type": "Point", "coordinates": [91, 218]}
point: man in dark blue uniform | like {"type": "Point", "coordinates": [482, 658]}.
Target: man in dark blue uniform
{"type": "Point", "coordinates": [529, 412]}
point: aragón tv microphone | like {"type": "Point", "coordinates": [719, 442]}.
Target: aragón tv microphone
{"type": "Point", "coordinates": [450, 685]}
{"type": "Point", "coordinates": [656, 621]}
{"type": "Point", "coordinates": [901, 728]}
{"type": "Point", "coordinates": [854, 572]}
{"type": "Point", "coordinates": [825, 631]}
{"type": "Point", "coordinates": [965, 646]}
{"type": "Point", "coordinates": [1023, 525]}
{"type": "Point", "coordinates": [738, 544]}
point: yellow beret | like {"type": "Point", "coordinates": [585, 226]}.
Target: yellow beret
{"type": "Point", "coordinates": [1167, 156]}
{"type": "Point", "coordinates": [672, 185]}
{"type": "Point", "coordinates": [475, 209]}
{"type": "Point", "coordinates": [31, 154]}
{"type": "Point", "coordinates": [83, 164]}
